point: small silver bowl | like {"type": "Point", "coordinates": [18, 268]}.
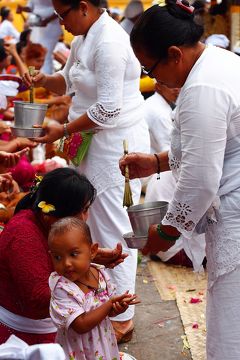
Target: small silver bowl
{"type": "Point", "coordinates": [143, 215]}
{"type": "Point", "coordinates": [135, 241]}
{"type": "Point", "coordinates": [30, 133]}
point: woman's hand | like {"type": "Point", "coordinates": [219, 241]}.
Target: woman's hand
{"type": "Point", "coordinates": [9, 160]}
{"type": "Point", "coordinates": [139, 164]}
{"type": "Point", "coordinates": [53, 132]}
{"type": "Point", "coordinates": [155, 243]}
{"type": "Point", "coordinates": [38, 80]}
{"type": "Point", "coordinates": [110, 257]}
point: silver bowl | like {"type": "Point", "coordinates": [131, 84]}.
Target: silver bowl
{"type": "Point", "coordinates": [135, 242]}
{"type": "Point", "coordinates": [143, 215]}
{"type": "Point", "coordinates": [27, 133]}
{"type": "Point", "coordinates": [28, 114]}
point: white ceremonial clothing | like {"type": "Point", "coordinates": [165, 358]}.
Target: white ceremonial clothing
{"type": "Point", "coordinates": [8, 29]}
{"type": "Point", "coordinates": [158, 115]}
{"type": "Point", "coordinates": [205, 156]}
{"type": "Point", "coordinates": [17, 349]}
{"type": "Point", "coordinates": [104, 73]}
{"type": "Point", "coordinates": [47, 36]}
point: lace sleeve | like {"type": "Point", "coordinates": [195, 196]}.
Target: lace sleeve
{"type": "Point", "coordinates": [110, 66]}
{"type": "Point", "coordinates": [203, 114]}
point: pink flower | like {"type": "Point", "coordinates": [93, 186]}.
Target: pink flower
{"type": "Point", "coordinates": [76, 141]}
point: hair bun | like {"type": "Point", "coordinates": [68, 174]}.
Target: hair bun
{"type": "Point", "coordinates": [180, 9]}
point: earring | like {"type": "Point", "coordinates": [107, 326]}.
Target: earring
{"type": "Point", "coordinates": [176, 62]}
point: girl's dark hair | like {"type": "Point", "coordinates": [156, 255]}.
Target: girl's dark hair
{"type": "Point", "coordinates": [5, 11]}
{"type": "Point", "coordinates": [64, 188]}
{"type": "Point", "coordinates": [163, 26]}
{"type": "Point", "coordinates": [75, 3]}
{"type": "Point", "coordinates": [67, 224]}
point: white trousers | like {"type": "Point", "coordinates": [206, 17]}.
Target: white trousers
{"type": "Point", "coordinates": [223, 318]}
{"type": "Point", "coordinates": [108, 221]}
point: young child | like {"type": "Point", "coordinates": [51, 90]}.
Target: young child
{"type": "Point", "coordinates": [82, 296]}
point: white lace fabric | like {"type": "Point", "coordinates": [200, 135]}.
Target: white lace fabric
{"type": "Point", "coordinates": [205, 158]}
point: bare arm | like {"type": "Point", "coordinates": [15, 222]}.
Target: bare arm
{"type": "Point", "coordinates": [55, 83]}
{"type": "Point", "coordinates": [87, 321]}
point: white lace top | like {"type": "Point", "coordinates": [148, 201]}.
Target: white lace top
{"type": "Point", "coordinates": [103, 73]}
{"type": "Point", "coordinates": [205, 157]}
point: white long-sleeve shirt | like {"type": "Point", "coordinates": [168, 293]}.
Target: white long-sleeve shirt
{"type": "Point", "coordinates": [205, 155]}
{"type": "Point", "coordinates": [103, 73]}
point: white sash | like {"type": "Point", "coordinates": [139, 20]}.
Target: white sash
{"type": "Point", "coordinates": [24, 324]}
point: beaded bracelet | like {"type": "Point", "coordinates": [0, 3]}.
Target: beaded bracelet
{"type": "Point", "coordinates": [158, 166]}
{"type": "Point", "coordinates": [165, 236]}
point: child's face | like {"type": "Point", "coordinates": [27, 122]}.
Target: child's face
{"type": "Point", "coordinates": [71, 254]}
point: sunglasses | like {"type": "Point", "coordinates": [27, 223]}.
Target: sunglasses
{"type": "Point", "coordinates": [149, 72]}
{"type": "Point", "coordinates": [62, 16]}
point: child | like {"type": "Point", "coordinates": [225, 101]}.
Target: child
{"type": "Point", "coordinates": [82, 295]}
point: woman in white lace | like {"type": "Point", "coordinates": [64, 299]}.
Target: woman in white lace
{"type": "Point", "coordinates": [205, 155]}
{"type": "Point", "coordinates": [103, 73]}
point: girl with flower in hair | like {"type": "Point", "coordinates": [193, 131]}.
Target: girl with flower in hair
{"type": "Point", "coordinates": [25, 263]}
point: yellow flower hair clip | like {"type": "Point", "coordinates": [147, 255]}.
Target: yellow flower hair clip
{"type": "Point", "coordinates": [46, 208]}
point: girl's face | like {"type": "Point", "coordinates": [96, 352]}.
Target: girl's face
{"type": "Point", "coordinates": [36, 62]}
{"type": "Point", "coordinates": [73, 19]}
{"type": "Point", "coordinates": [72, 254]}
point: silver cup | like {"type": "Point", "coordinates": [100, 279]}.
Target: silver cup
{"type": "Point", "coordinates": [143, 215]}
{"type": "Point", "coordinates": [28, 114]}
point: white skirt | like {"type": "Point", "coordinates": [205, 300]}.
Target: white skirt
{"type": "Point", "coordinates": [223, 317]}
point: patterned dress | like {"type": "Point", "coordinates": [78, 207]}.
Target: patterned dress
{"type": "Point", "coordinates": [67, 303]}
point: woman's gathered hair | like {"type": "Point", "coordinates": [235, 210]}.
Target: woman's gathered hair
{"type": "Point", "coordinates": [163, 26]}
{"type": "Point", "coordinates": [75, 3]}
{"type": "Point", "coordinates": [67, 190]}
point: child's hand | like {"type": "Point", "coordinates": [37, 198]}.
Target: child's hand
{"type": "Point", "coordinates": [121, 303]}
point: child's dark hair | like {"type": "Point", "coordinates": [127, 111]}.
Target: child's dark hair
{"type": "Point", "coordinates": [65, 189]}
{"type": "Point", "coordinates": [163, 26]}
{"type": "Point", "coordinates": [75, 3]}
{"type": "Point", "coordinates": [4, 12]}
{"type": "Point", "coordinates": [67, 224]}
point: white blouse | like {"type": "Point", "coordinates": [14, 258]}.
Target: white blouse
{"type": "Point", "coordinates": [7, 29]}
{"type": "Point", "coordinates": [205, 156]}
{"type": "Point", "coordinates": [103, 73]}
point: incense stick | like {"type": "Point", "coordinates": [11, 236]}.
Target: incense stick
{"type": "Point", "coordinates": [31, 70]}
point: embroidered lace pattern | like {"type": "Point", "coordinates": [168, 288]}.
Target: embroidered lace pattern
{"type": "Point", "coordinates": [223, 250]}
{"type": "Point", "coordinates": [174, 163]}
{"type": "Point", "coordinates": [180, 218]}
{"type": "Point", "coordinates": [101, 115]}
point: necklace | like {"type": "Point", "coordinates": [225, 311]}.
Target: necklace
{"type": "Point", "coordinates": [97, 290]}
